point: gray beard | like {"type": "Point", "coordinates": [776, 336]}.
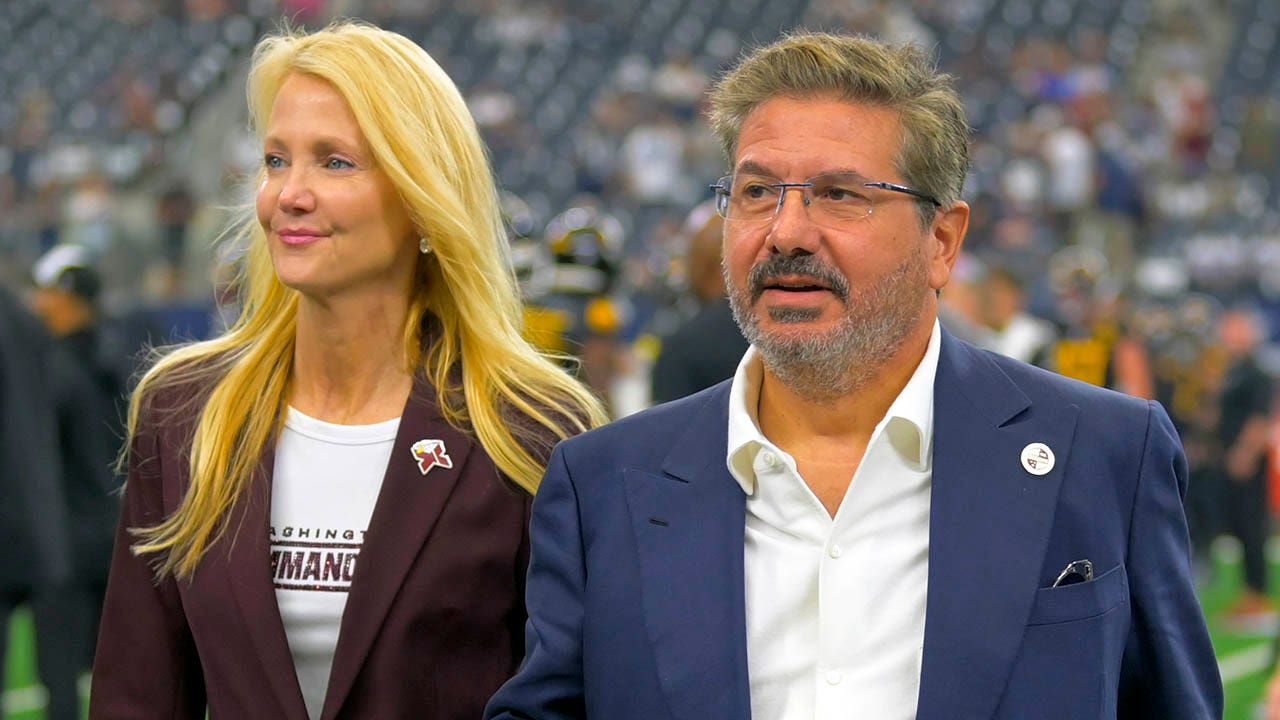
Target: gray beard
{"type": "Point", "coordinates": [820, 368]}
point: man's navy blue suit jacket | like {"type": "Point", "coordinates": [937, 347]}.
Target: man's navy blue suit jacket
{"type": "Point", "coordinates": [635, 590]}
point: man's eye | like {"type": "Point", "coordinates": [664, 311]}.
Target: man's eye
{"type": "Point", "coordinates": [839, 194]}
{"type": "Point", "coordinates": [756, 191]}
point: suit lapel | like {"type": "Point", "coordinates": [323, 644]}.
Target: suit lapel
{"type": "Point", "coordinates": [689, 527]}
{"type": "Point", "coordinates": [990, 521]}
{"type": "Point", "coordinates": [249, 575]}
{"type": "Point", "coordinates": [408, 506]}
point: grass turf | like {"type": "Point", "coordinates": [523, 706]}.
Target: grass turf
{"type": "Point", "coordinates": [1242, 692]}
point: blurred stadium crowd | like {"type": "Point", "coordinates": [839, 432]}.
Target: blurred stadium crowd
{"type": "Point", "coordinates": [1125, 177]}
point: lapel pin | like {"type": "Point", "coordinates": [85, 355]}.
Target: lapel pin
{"type": "Point", "coordinates": [431, 454]}
{"type": "Point", "coordinates": [1037, 458]}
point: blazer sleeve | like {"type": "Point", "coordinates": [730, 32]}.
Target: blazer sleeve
{"type": "Point", "coordinates": [146, 665]}
{"type": "Point", "coordinates": [1169, 671]}
{"type": "Point", "coordinates": [549, 685]}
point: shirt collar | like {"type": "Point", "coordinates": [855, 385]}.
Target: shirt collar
{"type": "Point", "coordinates": [908, 423]}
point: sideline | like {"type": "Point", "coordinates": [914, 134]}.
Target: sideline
{"type": "Point", "coordinates": [24, 700]}
{"type": "Point", "coordinates": [1246, 662]}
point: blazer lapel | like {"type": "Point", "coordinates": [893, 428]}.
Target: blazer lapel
{"type": "Point", "coordinates": [989, 527]}
{"type": "Point", "coordinates": [408, 506]}
{"type": "Point", "coordinates": [689, 527]}
{"type": "Point", "coordinates": [248, 572]}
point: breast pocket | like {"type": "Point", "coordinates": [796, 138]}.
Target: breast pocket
{"type": "Point", "coordinates": [1081, 600]}
{"type": "Point", "coordinates": [1071, 650]}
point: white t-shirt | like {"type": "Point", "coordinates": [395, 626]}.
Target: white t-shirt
{"type": "Point", "coordinates": [326, 482]}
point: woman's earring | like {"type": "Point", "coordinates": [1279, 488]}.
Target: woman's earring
{"type": "Point", "coordinates": [424, 246]}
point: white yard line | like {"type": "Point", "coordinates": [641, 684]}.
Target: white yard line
{"type": "Point", "coordinates": [24, 700]}
{"type": "Point", "coordinates": [1246, 662]}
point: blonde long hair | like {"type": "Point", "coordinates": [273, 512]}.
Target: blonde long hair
{"type": "Point", "coordinates": [421, 134]}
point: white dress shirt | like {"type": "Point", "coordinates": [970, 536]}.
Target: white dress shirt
{"type": "Point", "coordinates": [835, 606]}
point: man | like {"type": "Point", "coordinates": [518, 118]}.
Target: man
{"type": "Point", "coordinates": [1244, 429]}
{"type": "Point", "coordinates": [705, 348]}
{"type": "Point", "coordinates": [34, 559]}
{"type": "Point", "coordinates": [1014, 331]}
{"type": "Point", "coordinates": [961, 310]}
{"type": "Point", "coordinates": [88, 393]}
{"type": "Point", "coordinates": [872, 519]}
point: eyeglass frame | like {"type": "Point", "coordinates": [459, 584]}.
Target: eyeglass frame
{"type": "Point", "coordinates": [721, 189]}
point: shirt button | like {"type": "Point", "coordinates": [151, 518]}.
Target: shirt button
{"type": "Point", "coordinates": [834, 677]}
{"type": "Point", "coordinates": [770, 460]}
{"type": "Point", "coordinates": [835, 551]}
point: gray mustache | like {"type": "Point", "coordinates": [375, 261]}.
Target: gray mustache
{"type": "Point", "coordinates": [808, 267]}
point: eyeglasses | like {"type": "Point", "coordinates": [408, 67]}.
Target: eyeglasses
{"type": "Point", "coordinates": [830, 197]}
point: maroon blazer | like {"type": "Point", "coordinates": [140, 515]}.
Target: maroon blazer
{"type": "Point", "coordinates": [434, 620]}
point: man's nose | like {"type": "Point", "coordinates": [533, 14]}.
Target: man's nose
{"type": "Point", "coordinates": [792, 231]}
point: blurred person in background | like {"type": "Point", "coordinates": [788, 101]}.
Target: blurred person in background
{"type": "Point", "coordinates": [1014, 331]}
{"type": "Point", "coordinates": [652, 156]}
{"type": "Point", "coordinates": [706, 348]}
{"type": "Point", "coordinates": [529, 255]}
{"type": "Point", "coordinates": [326, 507]}
{"type": "Point", "coordinates": [1071, 165]}
{"type": "Point", "coordinates": [175, 211]}
{"type": "Point", "coordinates": [66, 297]}
{"type": "Point", "coordinates": [89, 212]}
{"type": "Point", "coordinates": [35, 556]}
{"type": "Point", "coordinates": [582, 314]}
{"type": "Point", "coordinates": [87, 388]}
{"type": "Point", "coordinates": [535, 270]}
{"type": "Point", "coordinates": [1245, 402]}
{"type": "Point", "coordinates": [1188, 365]}
{"type": "Point", "coordinates": [1093, 343]}
{"type": "Point", "coordinates": [960, 306]}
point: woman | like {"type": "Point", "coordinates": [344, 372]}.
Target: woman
{"type": "Point", "coordinates": [326, 508]}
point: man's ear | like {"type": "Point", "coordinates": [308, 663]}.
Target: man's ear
{"type": "Point", "coordinates": [946, 237]}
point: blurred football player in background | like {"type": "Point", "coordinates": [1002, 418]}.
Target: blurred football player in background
{"type": "Point", "coordinates": [579, 315]}
{"type": "Point", "coordinates": [1094, 344]}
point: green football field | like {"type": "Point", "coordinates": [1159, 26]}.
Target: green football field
{"type": "Point", "coordinates": [1244, 660]}
{"type": "Point", "coordinates": [24, 697]}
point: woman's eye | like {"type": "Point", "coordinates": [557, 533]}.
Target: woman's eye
{"type": "Point", "coordinates": [339, 164]}
{"type": "Point", "coordinates": [273, 161]}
